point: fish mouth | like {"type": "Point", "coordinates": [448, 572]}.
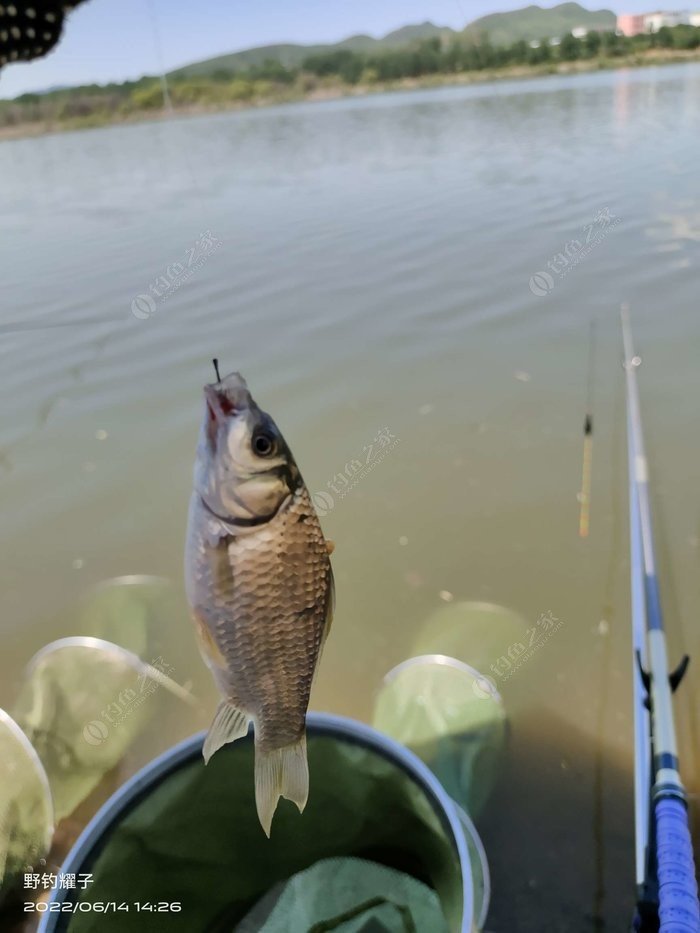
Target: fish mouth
{"type": "Point", "coordinates": [225, 399]}
{"type": "Point", "coordinates": [231, 381]}
{"type": "Point", "coordinates": [228, 397]}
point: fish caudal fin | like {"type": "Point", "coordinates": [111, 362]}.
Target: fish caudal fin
{"type": "Point", "coordinates": [283, 772]}
{"type": "Point", "coordinates": [230, 723]}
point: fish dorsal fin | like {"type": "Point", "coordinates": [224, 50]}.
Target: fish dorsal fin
{"type": "Point", "coordinates": [230, 723]}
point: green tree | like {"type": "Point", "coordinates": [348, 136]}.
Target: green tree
{"type": "Point", "coordinates": [272, 70]}
{"type": "Point", "coordinates": [592, 43]}
{"type": "Point", "coordinates": [611, 44]}
{"type": "Point", "coordinates": [519, 52]}
{"type": "Point", "coordinates": [148, 97]}
{"type": "Point", "coordinates": [686, 37]}
{"type": "Point", "coordinates": [330, 63]}
{"type": "Point", "coordinates": [569, 48]}
{"type": "Point", "coordinates": [540, 54]}
{"type": "Point", "coordinates": [452, 57]}
{"type": "Point", "coordinates": [664, 38]}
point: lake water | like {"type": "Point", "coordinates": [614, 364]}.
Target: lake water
{"type": "Point", "coordinates": [368, 265]}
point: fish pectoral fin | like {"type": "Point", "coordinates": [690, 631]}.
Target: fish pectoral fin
{"type": "Point", "coordinates": [208, 648]}
{"type": "Point", "coordinates": [330, 604]}
{"type": "Point", "coordinates": [283, 772]}
{"type": "Point", "coordinates": [330, 546]}
{"type": "Point", "coordinates": [230, 723]}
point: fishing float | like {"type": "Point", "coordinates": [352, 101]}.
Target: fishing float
{"type": "Point", "coordinates": [587, 469]}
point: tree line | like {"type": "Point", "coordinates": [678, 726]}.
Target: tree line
{"type": "Point", "coordinates": [273, 82]}
{"type": "Point", "coordinates": [433, 56]}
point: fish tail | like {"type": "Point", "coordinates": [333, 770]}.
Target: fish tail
{"type": "Point", "coordinates": [282, 772]}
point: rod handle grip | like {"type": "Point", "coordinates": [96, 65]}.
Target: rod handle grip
{"type": "Point", "coordinates": [679, 911]}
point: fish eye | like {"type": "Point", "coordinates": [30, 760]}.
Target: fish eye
{"type": "Point", "coordinates": [264, 445]}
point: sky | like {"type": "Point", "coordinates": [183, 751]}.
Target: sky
{"type": "Point", "coordinates": [115, 40]}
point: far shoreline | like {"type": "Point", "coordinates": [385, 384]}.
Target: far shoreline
{"type": "Point", "coordinates": [338, 91]}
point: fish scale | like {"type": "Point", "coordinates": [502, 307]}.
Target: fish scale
{"type": "Point", "coordinates": [282, 585]}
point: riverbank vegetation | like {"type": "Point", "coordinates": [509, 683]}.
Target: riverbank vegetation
{"type": "Point", "coordinates": [337, 72]}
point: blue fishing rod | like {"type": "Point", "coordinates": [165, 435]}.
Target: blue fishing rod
{"type": "Point", "coordinates": [667, 892]}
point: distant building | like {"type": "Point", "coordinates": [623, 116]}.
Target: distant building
{"type": "Point", "coordinates": [555, 41]}
{"type": "Point", "coordinates": [631, 24]}
{"type": "Point", "coordinates": [535, 44]}
{"type": "Point", "coordinates": [655, 21]}
{"type": "Point", "coordinates": [580, 32]}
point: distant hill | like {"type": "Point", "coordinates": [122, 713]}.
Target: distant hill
{"type": "Point", "coordinates": [291, 56]}
{"type": "Point", "coordinates": [409, 34]}
{"type": "Point", "coordinates": [404, 36]}
{"type": "Point", "coordinates": [288, 55]}
{"type": "Point", "coordinates": [534, 22]}
{"type": "Point", "coordinates": [531, 22]}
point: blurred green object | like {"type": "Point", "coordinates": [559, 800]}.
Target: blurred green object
{"type": "Point", "coordinates": [26, 811]}
{"type": "Point", "coordinates": [452, 718]}
{"type": "Point", "coordinates": [82, 703]}
{"type": "Point", "coordinates": [476, 633]}
{"type": "Point", "coordinates": [341, 894]}
{"type": "Point", "coordinates": [131, 611]}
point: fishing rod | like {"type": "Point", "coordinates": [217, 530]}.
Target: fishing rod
{"type": "Point", "coordinates": [667, 892]}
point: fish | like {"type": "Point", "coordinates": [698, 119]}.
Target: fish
{"type": "Point", "coordinates": [259, 583]}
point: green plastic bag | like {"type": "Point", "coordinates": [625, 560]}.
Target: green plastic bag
{"type": "Point", "coordinates": [347, 895]}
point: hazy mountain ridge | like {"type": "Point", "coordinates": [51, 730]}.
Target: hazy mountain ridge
{"type": "Point", "coordinates": [292, 55]}
{"type": "Point", "coordinates": [531, 22]}
{"type": "Point", "coordinates": [535, 22]}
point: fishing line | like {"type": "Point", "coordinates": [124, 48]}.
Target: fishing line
{"type": "Point", "coordinates": [462, 13]}
{"type": "Point", "coordinates": [584, 496]}
{"type": "Point", "coordinates": [159, 56]}
{"type": "Point", "coordinates": [167, 100]}
{"type": "Point", "coordinates": [513, 132]}
{"type": "Point", "coordinates": [16, 327]}
{"type": "Point", "coordinates": [605, 630]}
